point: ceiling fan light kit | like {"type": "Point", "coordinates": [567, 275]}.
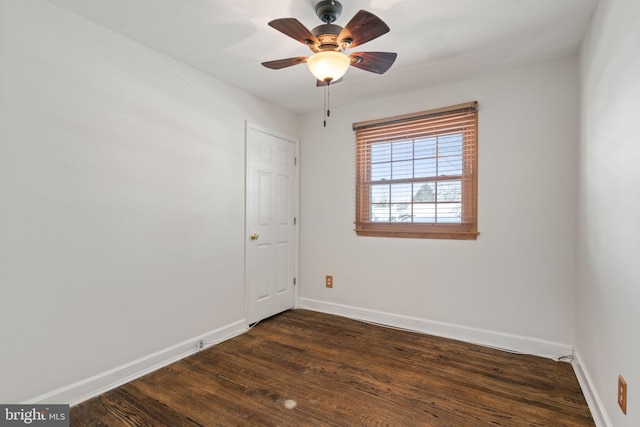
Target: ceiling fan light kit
{"type": "Point", "coordinates": [328, 41]}
{"type": "Point", "coordinates": [328, 66]}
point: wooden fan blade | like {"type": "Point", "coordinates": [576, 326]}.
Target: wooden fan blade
{"type": "Point", "coordinates": [376, 62]}
{"type": "Point", "coordinates": [320, 83]}
{"type": "Point", "coordinates": [283, 63]}
{"type": "Point", "coordinates": [363, 27]}
{"type": "Point", "coordinates": [294, 29]}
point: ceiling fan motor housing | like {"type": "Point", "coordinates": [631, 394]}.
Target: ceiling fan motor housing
{"type": "Point", "coordinates": [328, 10]}
{"type": "Point", "coordinates": [327, 35]}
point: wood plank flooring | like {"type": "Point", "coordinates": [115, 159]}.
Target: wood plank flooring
{"type": "Point", "coordinates": [303, 368]}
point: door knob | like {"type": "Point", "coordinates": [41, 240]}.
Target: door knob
{"type": "Point", "coordinates": [255, 236]}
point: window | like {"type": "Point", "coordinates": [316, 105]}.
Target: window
{"type": "Point", "coordinates": [416, 175]}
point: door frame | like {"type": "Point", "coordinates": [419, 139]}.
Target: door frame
{"type": "Point", "coordinates": [296, 209]}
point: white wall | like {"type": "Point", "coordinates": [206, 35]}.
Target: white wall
{"type": "Point", "coordinates": [121, 204]}
{"type": "Point", "coordinates": [518, 277]}
{"type": "Point", "coordinates": [608, 290]}
{"type": "Point", "coordinates": [121, 199]}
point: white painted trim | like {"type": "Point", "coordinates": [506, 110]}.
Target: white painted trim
{"type": "Point", "coordinates": [499, 340]}
{"type": "Point", "coordinates": [590, 392]}
{"type": "Point", "coordinates": [80, 391]}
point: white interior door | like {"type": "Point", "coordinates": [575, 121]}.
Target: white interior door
{"type": "Point", "coordinates": [271, 246]}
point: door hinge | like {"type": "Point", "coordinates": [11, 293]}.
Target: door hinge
{"type": "Point", "coordinates": [295, 220]}
{"type": "Point", "coordinates": [294, 281]}
{"type": "Point", "coordinates": [295, 161]}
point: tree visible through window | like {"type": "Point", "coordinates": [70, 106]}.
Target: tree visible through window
{"type": "Point", "coordinates": [417, 174]}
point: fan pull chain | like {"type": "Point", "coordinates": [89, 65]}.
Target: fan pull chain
{"type": "Point", "coordinates": [324, 110]}
{"type": "Point", "coordinates": [328, 99]}
{"type": "Point", "coordinates": [327, 103]}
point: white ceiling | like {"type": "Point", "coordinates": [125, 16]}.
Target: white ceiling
{"type": "Point", "coordinates": [437, 41]}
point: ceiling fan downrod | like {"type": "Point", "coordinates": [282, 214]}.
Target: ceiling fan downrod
{"type": "Point", "coordinates": [328, 11]}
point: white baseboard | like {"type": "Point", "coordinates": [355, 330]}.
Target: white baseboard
{"type": "Point", "coordinates": [86, 389]}
{"type": "Point", "coordinates": [591, 395]}
{"type": "Point", "coordinates": [98, 384]}
{"type": "Point", "coordinates": [502, 341]}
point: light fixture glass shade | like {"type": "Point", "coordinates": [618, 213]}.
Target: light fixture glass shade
{"type": "Point", "coordinates": [328, 66]}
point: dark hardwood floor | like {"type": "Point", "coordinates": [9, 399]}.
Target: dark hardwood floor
{"type": "Point", "coordinates": [303, 368]}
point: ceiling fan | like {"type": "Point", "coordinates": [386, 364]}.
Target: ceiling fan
{"type": "Point", "coordinates": [328, 63]}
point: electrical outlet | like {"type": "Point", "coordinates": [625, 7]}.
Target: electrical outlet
{"type": "Point", "coordinates": [201, 344]}
{"type": "Point", "coordinates": [329, 281]}
{"type": "Point", "coordinates": [622, 394]}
